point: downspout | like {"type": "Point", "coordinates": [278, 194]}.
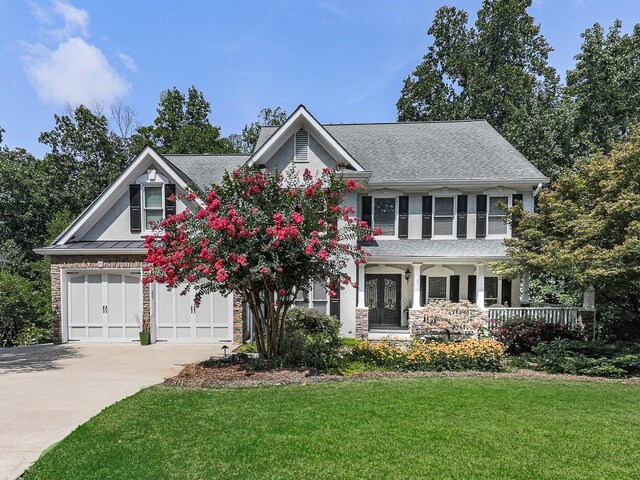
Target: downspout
{"type": "Point", "coordinates": [536, 191]}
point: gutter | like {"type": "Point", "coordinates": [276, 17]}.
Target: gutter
{"type": "Point", "coordinates": [536, 191]}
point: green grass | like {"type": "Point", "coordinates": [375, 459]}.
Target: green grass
{"type": "Point", "coordinates": [392, 428]}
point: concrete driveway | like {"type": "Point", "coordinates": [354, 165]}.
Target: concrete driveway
{"type": "Point", "coordinates": [46, 391]}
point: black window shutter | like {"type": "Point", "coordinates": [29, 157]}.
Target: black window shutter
{"type": "Point", "coordinates": [462, 216]}
{"type": "Point", "coordinates": [403, 217]}
{"type": "Point", "coordinates": [135, 211]}
{"type": "Point", "coordinates": [334, 304]}
{"type": "Point", "coordinates": [516, 198]}
{"type": "Point", "coordinates": [471, 282]}
{"type": "Point", "coordinates": [169, 205]}
{"type": "Point", "coordinates": [454, 288]}
{"type": "Point", "coordinates": [427, 207]}
{"type": "Point", "coordinates": [366, 210]}
{"type": "Point", "coordinates": [506, 291]}
{"type": "Point", "coordinates": [423, 290]}
{"type": "Point", "coordinates": [481, 216]}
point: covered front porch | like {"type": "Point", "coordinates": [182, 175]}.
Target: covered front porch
{"type": "Point", "coordinates": [389, 292]}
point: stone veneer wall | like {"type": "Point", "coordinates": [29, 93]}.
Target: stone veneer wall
{"type": "Point", "coordinates": [362, 323]}
{"type": "Point", "coordinates": [110, 262]}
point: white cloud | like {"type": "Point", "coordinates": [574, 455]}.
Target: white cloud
{"type": "Point", "coordinates": [128, 61]}
{"type": "Point", "coordinates": [68, 68]}
{"type": "Point", "coordinates": [74, 72]}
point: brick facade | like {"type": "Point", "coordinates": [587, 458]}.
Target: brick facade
{"type": "Point", "coordinates": [112, 262]}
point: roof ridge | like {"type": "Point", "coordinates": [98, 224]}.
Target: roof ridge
{"type": "Point", "coordinates": [207, 154]}
{"type": "Point", "coordinates": [419, 122]}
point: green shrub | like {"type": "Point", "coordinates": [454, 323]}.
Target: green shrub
{"type": "Point", "coordinates": [312, 340]}
{"type": "Point", "coordinates": [421, 355]}
{"type": "Point", "coordinates": [521, 334]}
{"type": "Point", "coordinates": [581, 358]}
{"type": "Point", "coordinates": [247, 348]}
{"type": "Point", "coordinates": [31, 334]}
{"type": "Point", "coordinates": [17, 307]}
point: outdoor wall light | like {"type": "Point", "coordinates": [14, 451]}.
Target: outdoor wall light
{"type": "Point", "coordinates": [407, 274]}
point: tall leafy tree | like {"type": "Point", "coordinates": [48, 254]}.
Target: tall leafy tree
{"type": "Point", "coordinates": [181, 126]}
{"type": "Point", "coordinates": [85, 158]}
{"type": "Point", "coordinates": [603, 88]}
{"type": "Point", "coordinates": [586, 230]}
{"type": "Point", "coordinates": [246, 142]}
{"type": "Point", "coordinates": [497, 70]}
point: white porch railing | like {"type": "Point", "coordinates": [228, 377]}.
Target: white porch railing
{"type": "Point", "coordinates": [569, 316]}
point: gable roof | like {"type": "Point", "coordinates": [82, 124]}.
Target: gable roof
{"type": "Point", "coordinates": [466, 150]}
{"type": "Point", "coordinates": [204, 170]}
{"type": "Point", "coordinates": [302, 118]}
{"type": "Point", "coordinates": [106, 198]}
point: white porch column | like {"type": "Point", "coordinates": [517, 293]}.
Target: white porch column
{"type": "Point", "coordinates": [361, 286]}
{"type": "Point", "coordinates": [480, 286]}
{"type": "Point", "coordinates": [526, 299]}
{"type": "Point", "coordinates": [416, 286]}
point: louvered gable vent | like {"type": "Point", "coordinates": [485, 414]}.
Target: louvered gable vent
{"type": "Point", "coordinates": [301, 146]}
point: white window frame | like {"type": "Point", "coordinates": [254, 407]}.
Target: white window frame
{"type": "Point", "coordinates": [146, 229]}
{"type": "Point", "coordinates": [447, 279]}
{"type": "Point", "coordinates": [455, 217]}
{"type": "Point", "coordinates": [309, 301]}
{"type": "Point", "coordinates": [507, 234]}
{"type": "Point", "coordinates": [396, 220]}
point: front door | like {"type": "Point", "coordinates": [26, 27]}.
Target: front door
{"type": "Point", "coordinates": [382, 296]}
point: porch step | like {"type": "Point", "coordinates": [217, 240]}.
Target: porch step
{"type": "Point", "coordinates": [395, 334]}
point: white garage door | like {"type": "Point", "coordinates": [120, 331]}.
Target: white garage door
{"type": "Point", "coordinates": [104, 306]}
{"type": "Point", "coordinates": [179, 320]}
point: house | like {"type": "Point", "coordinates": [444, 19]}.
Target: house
{"type": "Point", "coordinates": [436, 189]}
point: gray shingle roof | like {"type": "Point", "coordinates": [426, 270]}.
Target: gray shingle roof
{"type": "Point", "coordinates": [413, 151]}
{"type": "Point", "coordinates": [206, 169]}
{"type": "Point", "coordinates": [422, 248]}
{"type": "Point", "coordinates": [99, 245]}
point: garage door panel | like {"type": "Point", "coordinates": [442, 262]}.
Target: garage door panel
{"type": "Point", "coordinates": [209, 322]}
{"type": "Point", "coordinates": [104, 306]}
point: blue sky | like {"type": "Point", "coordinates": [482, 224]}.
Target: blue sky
{"type": "Point", "coordinates": [345, 60]}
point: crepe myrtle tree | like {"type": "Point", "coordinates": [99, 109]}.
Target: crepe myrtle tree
{"type": "Point", "coordinates": [264, 236]}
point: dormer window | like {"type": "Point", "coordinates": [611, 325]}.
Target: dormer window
{"type": "Point", "coordinates": [301, 147]}
{"type": "Point", "coordinates": [153, 205]}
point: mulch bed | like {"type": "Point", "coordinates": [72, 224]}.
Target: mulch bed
{"type": "Point", "coordinates": [214, 374]}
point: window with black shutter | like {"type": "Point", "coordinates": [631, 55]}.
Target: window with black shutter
{"type": "Point", "coordinates": [462, 216]}
{"type": "Point", "coordinates": [454, 288]}
{"type": "Point", "coordinates": [506, 292]}
{"type": "Point", "coordinates": [366, 214]}
{"type": "Point", "coordinates": [135, 212]}
{"type": "Point", "coordinates": [427, 213]}
{"type": "Point", "coordinates": [170, 200]}
{"type": "Point", "coordinates": [403, 217]}
{"type": "Point", "coordinates": [481, 216]}
{"type": "Point", "coordinates": [516, 199]}
{"type": "Point", "coordinates": [471, 288]}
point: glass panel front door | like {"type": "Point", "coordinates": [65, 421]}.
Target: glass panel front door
{"type": "Point", "coordinates": [382, 297]}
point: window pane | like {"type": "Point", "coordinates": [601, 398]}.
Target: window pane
{"type": "Point", "coordinates": [319, 292]}
{"type": "Point", "coordinates": [384, 215]}
{"type": "Point", "coordinates": [153, 216]}
{"type": "Point", "coordinates": [443, 226]}
{"type": "Point", "coordinates": [497, 225]}
{"type": "Point", "coordinates": [491, 287]}
{"type": "Point", "coordinates": [494, 205]}
{"type": "Point", "coordinates": [320, 306]}
{"type": "Point", "coordinates": [153, 197]}
{"type": "Point", "coordinates": [444, 206]}
{"type": "Point", "coordinates": [437, 287]}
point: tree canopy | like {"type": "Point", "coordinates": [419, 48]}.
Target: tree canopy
{"type": "Point", "coordinates": [247, 140]}
{"type": "Point", "coordinates": [181, 126]}
{"type": "Point", "coordinates": [586, 229]}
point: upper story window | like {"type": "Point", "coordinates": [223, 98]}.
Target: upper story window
{"type": "Point", "coordinates": [384, 214]}
{"type": "Point", "coordinates": [496, 216]}
{"type": "Point", "coordinates": [153, 204]}
{"type": "Point", "coordinates": [443, 216]}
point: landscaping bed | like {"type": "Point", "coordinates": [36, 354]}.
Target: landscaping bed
{"type": "Point", "coordinates": [221, 374]}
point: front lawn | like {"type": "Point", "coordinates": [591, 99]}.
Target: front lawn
{"type": "Point", "coordinates": [390, 428]}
